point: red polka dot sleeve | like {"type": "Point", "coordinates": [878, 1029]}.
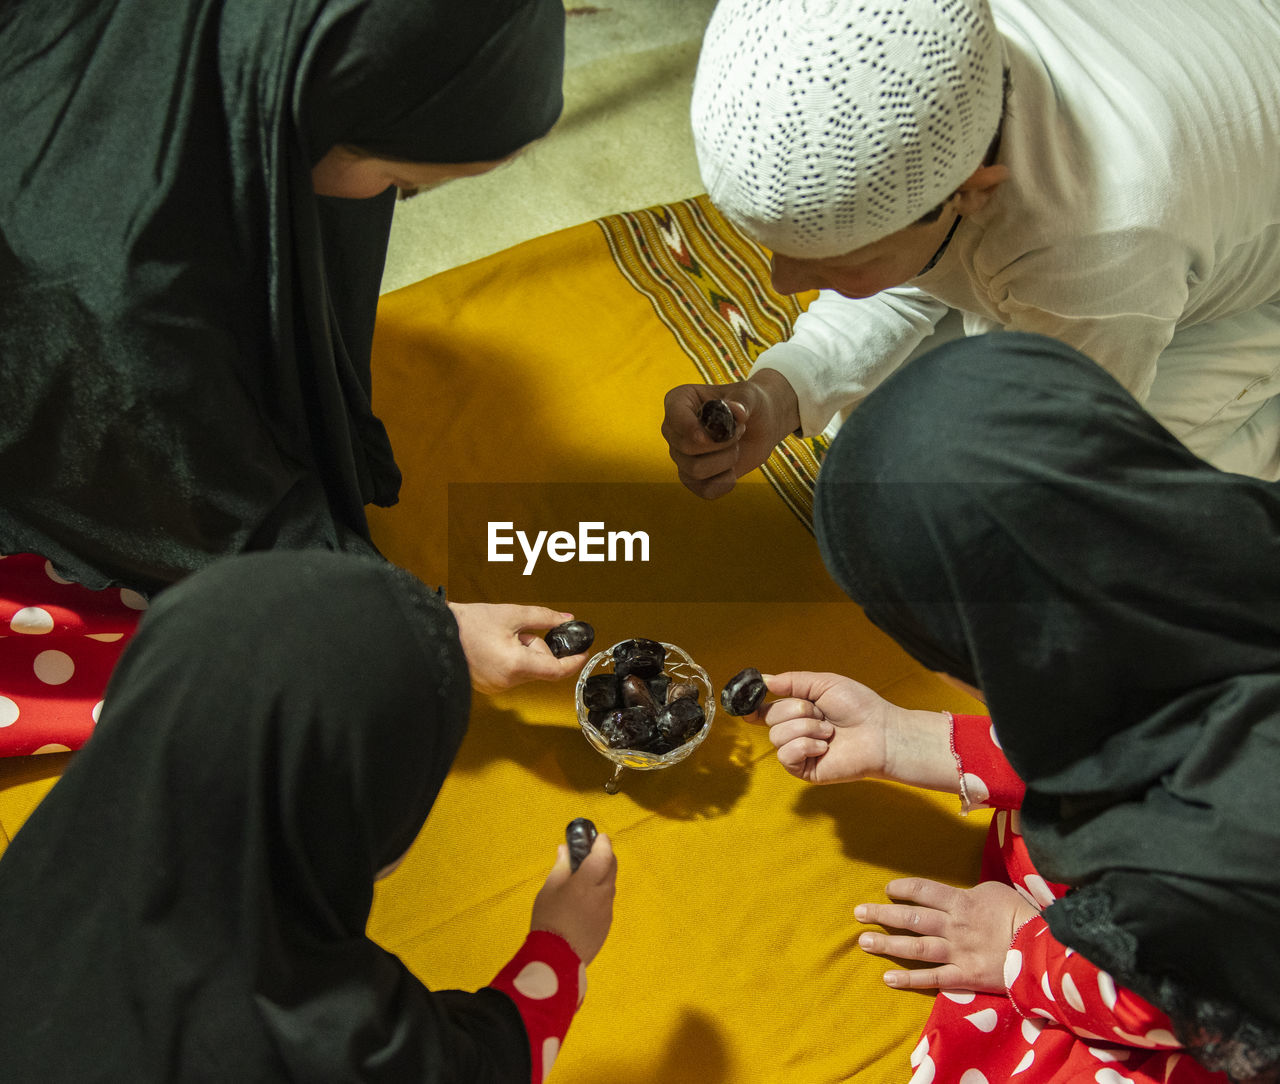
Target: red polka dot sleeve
{"type": "Point", "coordinates": [547, 982]}
{"type": "Point", "coordinates": [987, 781]}
{"type": "Point", "coordinates": [59, 642]}
{"type": "Point", "coordinates": [1049, 984]}
{"type": "Point", "coordinates": [1049, 981]}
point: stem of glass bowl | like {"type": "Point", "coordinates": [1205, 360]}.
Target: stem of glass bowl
{"type": "Point", "coordinates": [611, 787]}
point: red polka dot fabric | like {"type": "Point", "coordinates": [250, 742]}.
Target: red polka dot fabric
{"type": "Point", "coordinates": [547, 982]}
{"type": "Point", "coordinates": [59, 642]}
{"type": "Point", "coordinates": [1061, 1019]}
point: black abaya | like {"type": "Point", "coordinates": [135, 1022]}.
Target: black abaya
{"type": "Point", "coordinates": [184, 326]}
{"type": "Point", "coordinates": [1009, 514]}
{"type": "Point", "coordinates": [189, 902]}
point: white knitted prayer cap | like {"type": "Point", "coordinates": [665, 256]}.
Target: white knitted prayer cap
{"type": "Point", "coordinates": [822, 126]}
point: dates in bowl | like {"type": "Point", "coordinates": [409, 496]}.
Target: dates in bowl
{"type": "Point", "coordinates": [644, 704]}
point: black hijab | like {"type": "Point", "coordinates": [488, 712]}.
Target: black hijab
{"type": "Point", "coordinates": [189, 902]}
{"type": "Point", "coordinates": [1010, 515]}
{"type": "Point", "coordinates": [184, 326]}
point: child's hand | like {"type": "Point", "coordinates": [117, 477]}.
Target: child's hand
{"type": "Point", "coordinates": [964, 932]}
{"type": "Point", "coordinates": [579, 906]}
{"type": "Point", "coordinates": [832, 729]}
{"type": "Point", "coordinates": [765, 410]}
{"type": "Point", "coordinates": [826, 728]}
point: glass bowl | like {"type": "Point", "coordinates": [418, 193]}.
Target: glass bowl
{"type": "Point", "coordinates": [679, 667]}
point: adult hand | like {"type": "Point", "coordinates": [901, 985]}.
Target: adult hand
{"type": "Point", "coordinates": [504, 644]}
{"type": "Point", "coordinates": [579, 906]}
{"type": "Point", "coordinates": [832, 729]}
{"type": "Point", "coordinates": [964, 932]}
{"type": "Point", "coordinates": [765, 410]}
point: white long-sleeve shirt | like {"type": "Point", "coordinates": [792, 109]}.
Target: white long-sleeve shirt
{"type": "Point", "coordinates": [1140, 223]}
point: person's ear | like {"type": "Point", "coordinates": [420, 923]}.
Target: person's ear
{"type": "Point", "coordinates": [981, 185]}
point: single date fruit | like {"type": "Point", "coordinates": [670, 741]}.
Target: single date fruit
{"type": "Point", "coordinates": [628, 728]}
{"type": "Point", "coordinates": [644, 658]}
{"type": "Point", "coordinates": [679, 721]}
{"type": "Point", "coordinates": [571, 638]}
{"type": "Point", "coordinates": [743, 692]}
{"type": "Point", "coordinates": [579, 835]}
{"type": "Point", "coordinates": [601, 692]}
{"type": "Point", "coordinates": [681, 690]}
{"type": "Point", "coordinates": [717, 420]}
{"type": "Point", "coordinates": [637, 694]}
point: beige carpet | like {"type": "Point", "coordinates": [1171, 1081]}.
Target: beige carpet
{"type": "Point", "coordinates": [623, 142]}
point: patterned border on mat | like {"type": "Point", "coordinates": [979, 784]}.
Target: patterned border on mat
{"type": "Point", "coordinates": [709, 284]}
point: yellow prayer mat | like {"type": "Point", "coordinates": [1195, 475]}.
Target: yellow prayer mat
{"type": "Point", "coordinates": [526, 389]}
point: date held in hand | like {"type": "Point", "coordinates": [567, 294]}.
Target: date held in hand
{"type": "Point", "coordinates": [579, 835]}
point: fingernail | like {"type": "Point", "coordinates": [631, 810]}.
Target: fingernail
{"type": "Point", "coordinates": [892, 978]}
{"type": "Point", "coordinates": [866, 941]}
{"type": "Point", "coordinates": [860, 913]}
